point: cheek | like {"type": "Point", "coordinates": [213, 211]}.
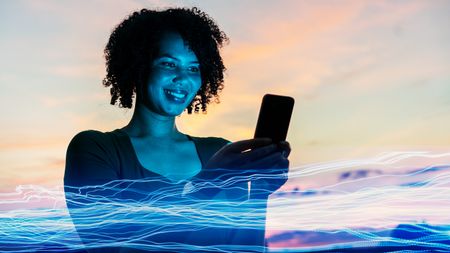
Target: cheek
{"type": "Point", "coordinates": [157, 76]}
{"type": "Point", "coordinates": [197, 83]}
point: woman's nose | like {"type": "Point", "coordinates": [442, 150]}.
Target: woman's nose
{"type": "Point", "coordinates": [180, 76]}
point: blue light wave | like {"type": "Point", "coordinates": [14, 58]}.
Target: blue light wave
{"type": "Point", "coordinates": [394, 209]}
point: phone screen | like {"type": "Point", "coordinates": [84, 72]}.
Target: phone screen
{"type": "Point", "coordinates": [274, 117]}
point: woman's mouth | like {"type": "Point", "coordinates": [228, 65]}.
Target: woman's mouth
{"type": "Point", "coordinates": [177, 96]}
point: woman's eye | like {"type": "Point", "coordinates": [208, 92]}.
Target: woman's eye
{"type": "Point", "coordinates": [168, 64]}
{"type": "Point", "coordinates": [194, 69]}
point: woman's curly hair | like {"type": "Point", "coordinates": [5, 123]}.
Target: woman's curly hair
{"type": "Point", "coordinates": [133, 45]}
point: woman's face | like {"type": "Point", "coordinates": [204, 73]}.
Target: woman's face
{"type": "Point", "coordinates": [175, 77]}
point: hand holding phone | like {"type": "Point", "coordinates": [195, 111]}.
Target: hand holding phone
{"type": "Point", "coordinates": [273, 122]}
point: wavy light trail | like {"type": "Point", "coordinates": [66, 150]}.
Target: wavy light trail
{"type": "Point", "coordinates": [380, 209]}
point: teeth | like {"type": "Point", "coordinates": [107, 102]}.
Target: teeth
{"type": "Point", "coordinates": [176, 94]}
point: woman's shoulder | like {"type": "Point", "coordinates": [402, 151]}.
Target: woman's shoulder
{"type": "Point", "coordinates": [91, 159]}
{"type": "Point", "coordinates": [91, 139]}
{"type": "Point", "coordinates": [89, 135]}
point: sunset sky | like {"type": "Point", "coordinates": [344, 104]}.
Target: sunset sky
{"type": "Point", "coordinates": [367, 76]}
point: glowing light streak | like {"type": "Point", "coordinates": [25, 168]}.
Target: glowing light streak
{"type": "Point", "coordinates": [35, 218]}
{"type": "Point", "coordinates": [384, 159]}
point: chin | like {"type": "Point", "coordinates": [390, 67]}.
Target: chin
{"type": "Point", "coordinates": [174, 113]}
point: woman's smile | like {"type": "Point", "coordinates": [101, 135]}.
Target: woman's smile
{"type": "Point", "coordinates": [176, 96]}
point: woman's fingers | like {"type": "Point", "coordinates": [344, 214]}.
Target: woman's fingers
{"type": "Point", "coordinates": [285, 147]}
{"type": "Point", "coordinates": [265, 156]}
{"type": "Point", "coordinates": [261, 164]}
{"type": "Point", "coordinates": [258, 153]}
{"type": "Point", "coordinates": [261, 152]}
{"type": "Point", "coordinates": [240, 146]}
{"type": "Point", "coordinates": [262, 157]}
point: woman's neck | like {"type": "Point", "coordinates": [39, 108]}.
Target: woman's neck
{"type": "Point", "coordinates": [147, 124]}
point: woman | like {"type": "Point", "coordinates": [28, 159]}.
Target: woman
{"type": "Point", "coordinates": [170, 61]}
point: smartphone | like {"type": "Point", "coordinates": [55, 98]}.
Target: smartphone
{"type": "Point", "coordinates": [274, 117]}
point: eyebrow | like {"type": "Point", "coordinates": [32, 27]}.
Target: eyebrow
{"type": "Point", "coordinates": [173, 57]}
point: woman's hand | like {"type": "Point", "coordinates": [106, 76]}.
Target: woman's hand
{"type": "Point", "coordinates": [264, 185]}
{"type": "Point", "coordinates": [259, 160]}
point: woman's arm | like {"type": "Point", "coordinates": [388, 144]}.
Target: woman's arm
{"type": "Point", "coordinates": [90, 166]}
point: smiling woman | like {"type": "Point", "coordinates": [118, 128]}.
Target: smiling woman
{"type": "Point", "coordinates": [170, 60]}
